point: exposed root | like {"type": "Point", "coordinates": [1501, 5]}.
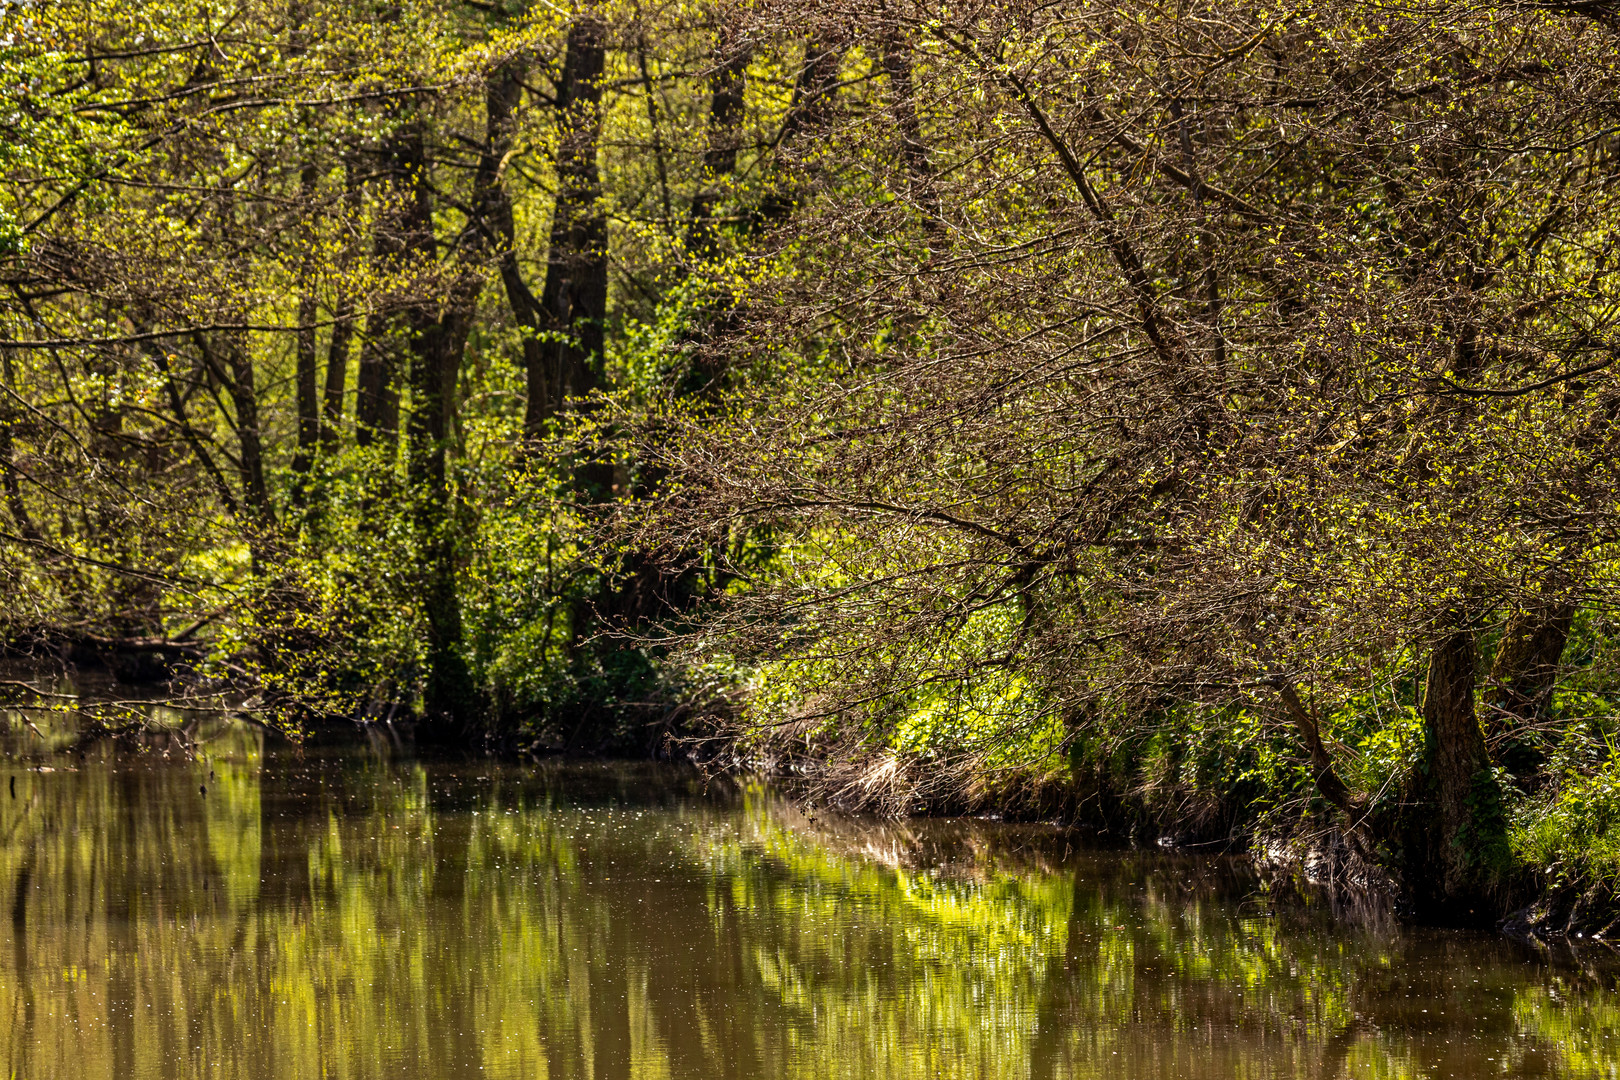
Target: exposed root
{"type": "Point", "coordinates": [1590, 912]}
{"type": "Point", "coordinates": [1334, 864]}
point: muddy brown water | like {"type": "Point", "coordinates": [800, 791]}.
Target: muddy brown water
{"type": "Point", "coordinates": [259, 910]}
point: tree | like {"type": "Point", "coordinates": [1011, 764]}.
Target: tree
{"type": "Point", "coordinates": [1173, 362]}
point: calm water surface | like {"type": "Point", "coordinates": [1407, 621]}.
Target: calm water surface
{"type": "Point", "coordinates": [359, 913]}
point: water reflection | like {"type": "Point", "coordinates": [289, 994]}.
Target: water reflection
{"type": "Point", "coordinates": [262, 911]}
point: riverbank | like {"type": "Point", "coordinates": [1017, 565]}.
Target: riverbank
{"type": "Point", "coordinates": [1168, 792]}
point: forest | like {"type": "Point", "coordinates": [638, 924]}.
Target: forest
{"type": "Point", "coordinates": [1201, 422]}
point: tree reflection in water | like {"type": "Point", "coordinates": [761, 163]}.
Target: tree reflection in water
{"type": "Point", "coordinates": [265, 911]}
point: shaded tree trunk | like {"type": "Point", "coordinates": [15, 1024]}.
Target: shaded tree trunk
{"type": "Point", "coordinates": [1328, 782]}
{"type": "Point", "coordinates": [573, 301]}
{"type": "Point", "coordinates": [810, 109]}
{"type": "Point", "coordinates": [304, 374]}
{"type": "Point", "coordinates": [398, 236]}
{"type": "Point", "coordinates": [1519, 688]}
{"type": "Point", "coordinates": [11, 419]}
{"type": "Point", "coordinates": [1470, 849]}
{"type": "Point", "coordinates": [309, 420]}
{"type": "Point", "coordinates": [376, 401]}
{"type": "Point", "coordinates": [437, 347]}
{"type": "Point", "coordinates": [1526, 663]}
{"type": "Point", "coordinates": [14, 496]}
{"type": "Point", "coordinates": [193, 438]}
{"type": "Point", "coordinates": [249, 436]}
{"type": "Point", "coordinates": [436, 341]}
{"type": "Point", "coordinates": [502, 95]}
{"type": "Point", "coordinates": [643, 589]}
{"type": "Point", "coordinates": [232, 365]}
{"type": "Point", "coordinates": [726, 85]}
{"type": "Point", "coordinates": [341, 342]}
{"type": "Point", "coordinates": [337, 372]}
{"type": "Point", "coordinates": [897, 58]}
{"type": "Point", "coordinates": [227, 360]}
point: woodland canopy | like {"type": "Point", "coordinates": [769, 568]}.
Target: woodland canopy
{"type": "Point", "coordinates": [1201, 420]}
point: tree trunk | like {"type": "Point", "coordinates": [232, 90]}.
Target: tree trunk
{"type": "Point", "coordinates": [810, 109]}
{"type": "Point", "coordinates": [726, 85]}
{"type": "Point", "coordinates": [341, 342]}
{"type": "Point", "coordinates": [1471, 847]}
{"type": "Point", "coordinates": [643, 588]}
{"type": "Point", "coordinates": [232, 364]}
{"type": "Point", "coordinates": [241, 389]}
{"type": "Point", "coordinates": [573, 301]}
{"type": "Point", "coordinates": [1519, 689]}
{"type": "Point", "coordinates": [502, 94]}
{"type": "Point", "coordinates": [376, 402]}
{"type": "Point", "coordinates": [397, 238]}
{"type": "Point", "coordinates": [309, 421]}
{"type": "Point", "coordinates": [10, 419]}
{"type": "Point", "coordinates": [437, 347]}
{"type": "Point", "coordinates": [1526, 664]}
{"type": "Point", "coordinates": [1328, 782]}
{"type": "Point", "coordinates": [14, 496]}
{"type": "Point", "coordinates": [436, 342]}
{"type": "Point", "coordinates": [897, 54]}
{"type": "Point", "coordinates": [337, 371]}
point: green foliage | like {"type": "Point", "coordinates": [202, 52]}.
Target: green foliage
{"type": "Point", "coordinates": [63, 132]}
{"type": "Point", "coordinates": [1389, 752]}
{"type": "Point", "coordinates": [339, 630]}
{"type": "Point", "coordinates": [1570, 833]}
{"type": "Point", "coordinates": [967, 410]}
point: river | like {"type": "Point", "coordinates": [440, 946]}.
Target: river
{"type": "Point", "coordinates": [249, 908]}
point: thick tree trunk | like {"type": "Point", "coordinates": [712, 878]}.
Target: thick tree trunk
{"type": "Point", "coordinates": [341, 343]}
{"type": "Point", "coordinates": [726, 85]}
{"type": "Point", "coordinates": [304, 381]}
{"type": "Point", "coordinates": [438, 344]}
{"type": "Point", "coordinates": [897, 57]}
{"type": "Point", "coordinates": [337, 372]}
{"type": "Point", "coordinates": [240, 386]}
{"type": "Point", "coordinates": [1526, 664]}
{"type": "Point", "coordinates": [573, 302]}
{"type": "Point", "coordinates": [309, 419]}
{"type": "Point", "coordinates": [437, 348]}
{"type": "Point", "coordinates": [376, 401]}
{"type": "Point", "coordinates": [436, 330]}
{"type": "Point", "coordinates": [1471, 846]}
